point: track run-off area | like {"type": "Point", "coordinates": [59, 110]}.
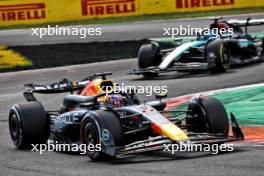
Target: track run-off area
{"type": "Point", "coordinates": [246, 159]}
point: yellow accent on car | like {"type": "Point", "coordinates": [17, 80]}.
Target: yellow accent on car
{"type": "Point", "coordinates": [87, 104]}
{"type": "Point", "coordinates": [173, 132]}
{"type": "Point", "coordinates": [222, 56]}
{"type": "Point", "coordinates": [10, 59]}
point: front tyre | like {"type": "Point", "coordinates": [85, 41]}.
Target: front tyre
{"type": "Point", "coordinates": [148, 56]}
{"type": "Point", "coordinates": [207, 115]}
{"type": "Point", "coordinates": [98, 125]}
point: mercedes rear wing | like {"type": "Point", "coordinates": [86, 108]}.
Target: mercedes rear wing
{"type": "Point", "coordinates": [247, 22]}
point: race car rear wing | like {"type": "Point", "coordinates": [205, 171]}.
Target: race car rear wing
{"type": "Point", "coordinates": [247, 22]}
{"type": "Point", "coordinates": [64, 85]}
{"type": "Point", "coordinates": [58, 87]}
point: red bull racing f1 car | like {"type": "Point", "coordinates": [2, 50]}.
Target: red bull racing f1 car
{"type": "Point", "coordinates": [118, 121]}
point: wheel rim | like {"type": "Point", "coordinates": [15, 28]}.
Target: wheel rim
{"type": "Point", "coordinates": [15, 130]}
{"type": "Point", "coordinates": [199, 119]}
{"type": "Point", "coordinates": [14, 126]}
{"type": "Point", "coordinates": [226, 57]}
{"type": "Point", "coordinates": [91, 135]}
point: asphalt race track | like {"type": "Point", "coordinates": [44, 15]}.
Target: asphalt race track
{"type": "Point", "coordinates": [245, 160]}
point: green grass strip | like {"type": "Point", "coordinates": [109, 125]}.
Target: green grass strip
{"type": "Point", "coordinates": [246, 103]}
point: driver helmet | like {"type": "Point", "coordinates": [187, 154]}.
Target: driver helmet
{"type": "Point", "coordinates": [114, 101]}
{"type": "Point", "coordinates": [222, 26]}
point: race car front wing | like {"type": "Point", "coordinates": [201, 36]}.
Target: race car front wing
{"type": "Point", "coordinates": [159, 142]}
{"type": "Point", "coordinates": [176, 67]}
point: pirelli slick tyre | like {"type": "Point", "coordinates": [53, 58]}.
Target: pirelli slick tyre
{"type": "Point", "coordinates": [148, 55]}
{"type": "Point", "coordinates": [92, 130]}
{"type": "Point", "coordinates": [28, 124]}
{"type": "Point", "coordinates": [208, 115]}
{"type": "Point", "coordinates": [219, 50]}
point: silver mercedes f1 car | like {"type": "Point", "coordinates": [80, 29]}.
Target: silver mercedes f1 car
{"type": "Point", "coordinates": [208, 51]}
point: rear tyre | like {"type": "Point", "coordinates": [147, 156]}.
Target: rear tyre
{"type": "Point", "coordinates": [92, 128]}
{"type": "Point", "coordinates": [28, 124]}
{"type": "Point", "coordinates": [209, 115]}
{"type": "Point", "coordinates": [220, 51]}
{"type": "Point", "coordinates": [148, 55]}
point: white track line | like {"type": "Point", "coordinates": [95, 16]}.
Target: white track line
{"type": "Point", "coordinates": [207, 93]}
